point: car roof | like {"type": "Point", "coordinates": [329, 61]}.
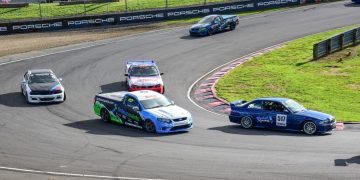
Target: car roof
{"type": "Point", "coordinates": [141, 63]}
{"type": "Point", "coordinates": [36, 71]}
{"type": "Point", "coordinates": [146, 94]}
{"type": "Point", "coordinates": [276, 99]}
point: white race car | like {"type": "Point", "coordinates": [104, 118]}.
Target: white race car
{"type": "Point", "coordinates": [143, 75]}
{"type": "Point", "coordinates": [41, 85]}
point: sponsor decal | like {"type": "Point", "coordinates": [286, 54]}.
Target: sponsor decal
{"type": "Point", "coordinates": [234, 7]}
{"type": "Point", "coordinates": [275, 2]}
{"type": "Point", "coordinates": [37, 26]}
{"type": "Point", "coordinates": [281, 120]}
{"type": "Point", "coordinates": [90, 21]}
{"type": "Point", "coordinates": [264, 119]}
{"type": "Point", "coordinates": [3, 29]}
{"type": "Point", "coordinates": [188, 12]}
{"type": "Point", "coordinates": [142, 17]}
{"type": "Point", "coordinates": [104, 100]}
{"type": "Point", "coordinates": [56, 87]}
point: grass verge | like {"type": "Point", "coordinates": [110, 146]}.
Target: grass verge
{"type": "Point", "coordinates": [331, 84]}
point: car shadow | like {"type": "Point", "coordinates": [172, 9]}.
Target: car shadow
{"type": "Point", "coordinates": [114, 87]}
{"type": "Point", "coordinates": [237, 129]}
{"type": "Point", "coordinates": [351, 5]}
{"type": "Point", "coordinates": [98, 127]}
{"type": "Point", "coordinates": [346, 162]}
{"type": "Point", "coordinates": [16, 99]}
{"type": "Point", "coordinates": [188, 37]}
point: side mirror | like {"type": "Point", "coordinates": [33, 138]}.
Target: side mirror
{"type": "Point", "coordinates": [126, 74]}
{"type": "Point", "coordinates": [172, 102]}
{"type": "Point", "coordinates": [60, 79]}
{"type": "Point", "coordinates": [161, 74]}
{"type": "Point", "coordinates": [136, 108]}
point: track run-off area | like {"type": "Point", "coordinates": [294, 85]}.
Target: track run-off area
{"type": "Point", "coordinates": [69, 139]}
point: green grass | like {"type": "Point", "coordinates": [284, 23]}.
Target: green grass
{"type": "Point", "coordinates": [54, 10]}
{"type": "Point", "coordinates": [330, 85]}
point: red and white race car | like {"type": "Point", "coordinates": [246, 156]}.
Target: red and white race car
{"type": "Point", "coordinates": [143, 75]}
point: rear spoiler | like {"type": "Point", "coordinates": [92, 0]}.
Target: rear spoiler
{"type": "Point", "coordinates": [237, 103]}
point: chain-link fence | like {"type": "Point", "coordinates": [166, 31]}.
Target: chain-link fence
{"type": "Point", "coordinates": [39, 9]}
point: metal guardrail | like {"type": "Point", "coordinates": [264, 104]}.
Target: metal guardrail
{"type": "Point", "coordinates": [336, 43]}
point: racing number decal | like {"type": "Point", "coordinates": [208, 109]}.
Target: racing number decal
{"type": "Point", "coordinates": [281, 120]}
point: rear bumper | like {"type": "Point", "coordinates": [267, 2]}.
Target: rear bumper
{"type": "Point", "coordinates": [156, 89]}
{"type": "Point", "coordinates": [46, 98]}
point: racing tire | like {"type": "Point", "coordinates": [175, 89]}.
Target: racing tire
{"type": "Point", "coordinates": [210, 32]}
{"type": "Point", "coordinates": [149, 126]}
{"type": "Point", "coordinates": [232, 26]}
{"type": "Point", "coordinates": [246, 122]}
{"type": "Point", "coordinates": [64, 97]}
{"type": "Point", "coordinates": [105, 116]}
{"type": "Point", "coordinates": [27, 98]}
{"type": "Point", "coordinates": [309, 128]}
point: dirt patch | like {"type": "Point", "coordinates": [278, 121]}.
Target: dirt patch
{"type": "Point", "coordinates": [354, 87]}
{"type": "Point", "coordinates": [20, 43]}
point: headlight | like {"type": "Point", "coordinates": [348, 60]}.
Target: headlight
{"type": "Point", "coordinates": [327, 121]}
{"type": "Point", "coordinates": [165, 120]}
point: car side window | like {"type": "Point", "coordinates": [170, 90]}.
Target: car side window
{"type": "Point", "coordinates": [274, 106]}
{"type": "Point", "coordinates": [131, 102]}
{"type": "Point", "coordinates": [217, 20]}
{"type": "Point", "coordinates": [255, 105]}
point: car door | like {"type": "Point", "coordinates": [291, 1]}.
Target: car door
{"type": "Point", "coordinates": [132, 111]}
{"type": "Point", "coordinates": [280, 115]}
{"type": "Point", "coordinates": [262, 118]}
{"type": "Point", "coordinates": [216, 24]}
{"type": "Point", "coordinates": [24, 82]}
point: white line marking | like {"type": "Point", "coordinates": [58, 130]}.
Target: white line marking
{"type": "Point", "coordinates": [71, 174]}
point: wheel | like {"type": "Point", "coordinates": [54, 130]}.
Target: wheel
{"type": "Point", "coordinates": [309, 128]}
{"type": "Point", "coordinates": [27, 98]}
{"type": "Point", "coordinates": [149, 126]}
{"type": "Point", "coordinates": [210, 32]}
{"type": "Point", "coordinates": [246, 122]}
{"type": "Point", "coordinates": [232, 26]}
{"type": "Point", "coordinates": [105, 116]}
{"type": "Point", "coordinates": [22, 91]}
{"type": "Point", "coordinates": [64, 97]}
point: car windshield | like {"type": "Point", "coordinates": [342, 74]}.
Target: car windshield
{"type": "Point", "coordinates": [42, 78]}
{"type": "Point", "coordinates": [294, 106]}
{"type": "Point", "coordinates": [156, 102]}
{"type": "Point", "coordinates": [143, 71]}
{"type": "Point", "coordinates": [206, 20]}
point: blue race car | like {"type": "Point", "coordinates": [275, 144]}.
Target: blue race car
{"type": "Point", "coordinates": [214, 23]}
{"type": "Point", "coordinates": [282, 114]}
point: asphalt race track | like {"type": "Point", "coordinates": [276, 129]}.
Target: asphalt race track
{"type": "Point", "coordinates": [69, 138]}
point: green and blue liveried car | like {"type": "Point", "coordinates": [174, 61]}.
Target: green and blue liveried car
{"type": "Point", "coordinates": [144, 109]}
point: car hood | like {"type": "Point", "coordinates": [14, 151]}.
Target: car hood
{"type": "Point", "coordinates": [199, 25]}
{"type": "Point", "coordinates": [169, 112]}
{"type": "Point", "coordinates": [145, 81]}
{"type": "Point", "coordinates": [45, 86]}
{"type": "Point", "coordinates": [315, 114]}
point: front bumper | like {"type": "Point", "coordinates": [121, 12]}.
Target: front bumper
{"type": "Point", "coordinates": [156, 89]}
{"type": "Point", "coordinates": [197, 33]}
{"type": "Point", "coordinates": [326, 128]}
{"type": "Point", "coordinates": [46, 98]}
{"type": "Point", "coordinates": [181, 126]}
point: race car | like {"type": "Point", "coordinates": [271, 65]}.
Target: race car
{"type": "Point", "coordinates": [143, 75]}
{"type": "Point", "coordinates": [144, 109]}
{"type": "Point", "coordinates": [214, 23]}
{"type": "Point", "coordinates": [282, 114]}
{"type": "Point", "coordinates": [41, 85]}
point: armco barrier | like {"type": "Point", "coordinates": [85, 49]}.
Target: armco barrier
{"type": "Point", "coordinates": [141, 16]}
{"type": "Point", "coordinates": [336, 43]}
